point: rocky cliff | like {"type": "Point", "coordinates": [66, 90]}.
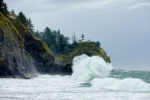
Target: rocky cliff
{"type": "Point", "coordinates": [21, 54]}
{"type": "Point", "coordinates": [89, 48]}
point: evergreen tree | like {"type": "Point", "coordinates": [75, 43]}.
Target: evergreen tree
{"type": "Point", "coordinates": [3, 7]}
{"type": "Point", "coordinates": [57, 42]}
{"type": "Point", "coordinates": [22, 18]}
{"type": "Point", "coordinates": [38, 34]}
{"type": "Point", "coordinates": [46, 36]}
{"type": "Point", "coordinates": [49, 38]}
{"type": "Point", "coordinates": [27, 22]}
{"type": "Point", "coordinates": [98, 44]}
{"type": "Point", "coordinates": [12, 14]}
{"type": "Point", "coordinates": [62, 44]}
{"type": "Point", "coordinates": [30, 25]}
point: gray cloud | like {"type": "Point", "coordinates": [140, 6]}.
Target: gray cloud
{"type": "Point", "coordinates": [139, 5]}
{"type": "Point", "coordinates": [63, 5]}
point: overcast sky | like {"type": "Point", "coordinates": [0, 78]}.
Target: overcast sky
{"type": "Point", "coordinates": [122, 26]}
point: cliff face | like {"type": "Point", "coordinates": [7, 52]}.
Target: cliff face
{"type": "Point", "coordinates": [14, 60]}
{"type": "Point", "coordinates": [20, 52]}
{"type": "Point", "coordinates": [42, 56]}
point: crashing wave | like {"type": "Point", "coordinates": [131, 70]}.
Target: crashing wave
{"type": "Point", "coordinates": [87, 68]}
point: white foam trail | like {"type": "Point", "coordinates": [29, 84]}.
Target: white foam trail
{"type": "Point", "coordinates": [87, 68]}
{"type": "Point", "coordinates": [127, 84]}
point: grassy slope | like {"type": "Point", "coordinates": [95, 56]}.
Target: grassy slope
{"type": "Point", "coordinates": [88, 48]}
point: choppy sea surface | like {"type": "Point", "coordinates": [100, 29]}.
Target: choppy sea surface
{"type": "Point", "coordinates": [92, 79]}
{"type": "Point", "coordinates": [119, 85]}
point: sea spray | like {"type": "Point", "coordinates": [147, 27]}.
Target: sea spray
{"type": "Point", "coordinates": [126, 84]}
{"type": "Point", "coordinates": [87, 68]}
{"type": "Point", "coordinates": [96, 71]}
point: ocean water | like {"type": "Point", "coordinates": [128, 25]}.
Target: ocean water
{"type": "Point", "coordinates": [92, 79]}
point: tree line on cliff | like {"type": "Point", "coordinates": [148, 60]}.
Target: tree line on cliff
{"type": "Point", "coordinates": [55, 40]}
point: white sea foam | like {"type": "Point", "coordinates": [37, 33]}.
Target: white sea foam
{"type": "Point", "coordinates": [126, 84]}
{"type": "Point", "coordinates": [46, 87]}
{"type": "Point", "coordinates": [87, 68]}
{"type": "Point", "coordinates": [96, 69]}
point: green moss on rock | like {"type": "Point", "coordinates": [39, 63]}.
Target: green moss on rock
{"type": "Point", "coordinates": [10, 31]}
{"type": "Point", "coordinates": [16, 35]}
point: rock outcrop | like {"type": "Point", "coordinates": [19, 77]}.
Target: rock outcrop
{"type": "Point", "coordinates": [21, 54]}
{"type": "Point", "coordinates": [89, 48]}
{"type": "Point", "coordinates": [14, 60]}
{"type": "Point", "coordinates": [40, 53]}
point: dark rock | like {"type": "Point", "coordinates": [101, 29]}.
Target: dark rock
{"type": "Point", "coordinates": [14, 62]}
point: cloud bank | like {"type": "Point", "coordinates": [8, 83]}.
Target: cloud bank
{"type": "Point", "coordinates": [140, 5]}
